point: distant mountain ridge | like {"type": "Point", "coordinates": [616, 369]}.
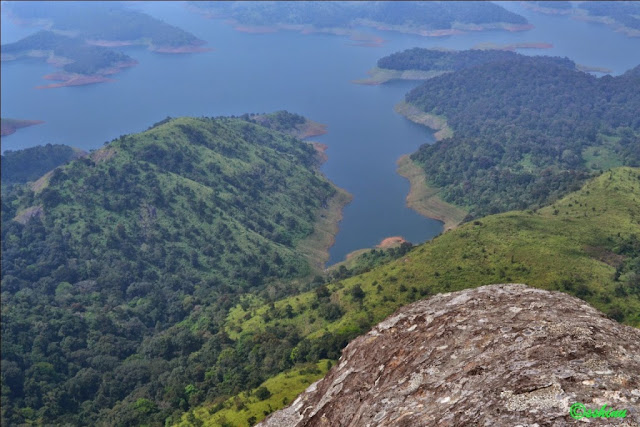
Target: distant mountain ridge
{"type": "Point", "coordinates": [344, 18]}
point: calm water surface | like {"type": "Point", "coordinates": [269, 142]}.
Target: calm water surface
{"type": "Point", "coordinates": [306, 74]}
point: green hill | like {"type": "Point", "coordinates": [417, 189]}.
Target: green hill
{"type": "Point", "coordinates": [30, 164]}
{"type": "Point", "coordinates": [526, 131]}
{"type": "Point", "coordinates": [586, 244]}
{"type": "Point", "coordinates": [118, 269]}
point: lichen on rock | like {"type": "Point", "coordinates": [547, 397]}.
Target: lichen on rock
{"type": "Point", "coordinates": [494, 355]}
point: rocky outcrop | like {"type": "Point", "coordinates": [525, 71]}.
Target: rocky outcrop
{"type": "Point", "coordinates": [493, 356]}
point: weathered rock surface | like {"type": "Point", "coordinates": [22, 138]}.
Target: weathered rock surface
{"type": "Point", "coordinates": [499, 355]}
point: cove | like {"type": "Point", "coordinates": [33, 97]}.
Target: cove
{"type": "Point", "coordinates": [305, 74]}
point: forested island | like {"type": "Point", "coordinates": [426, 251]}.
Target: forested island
{"type": "Point", "coordinates": [79, 38]}
{"type": "Point", "coordinates": [343, 18]}
{"type": "Point", "coordinates": [9, 126]}
{"type": "Point", "coordinates": [522, 131]}
{"type": "Point", "coordinates": [79, 62]}
{"type": "Point", "coordinates": [106, 24]}
{"type": "Point", "coordinates": [132, 256]}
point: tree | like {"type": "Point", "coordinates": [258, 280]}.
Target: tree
{"type": "Point", "coordinates": [263, 393]}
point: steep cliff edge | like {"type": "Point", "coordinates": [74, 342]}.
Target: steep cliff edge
{"type": "Point", "coordinates": [494, 355]}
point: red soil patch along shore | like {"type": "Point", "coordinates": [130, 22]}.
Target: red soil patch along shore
{"type": "Point", "coordinates": [67, 79]}
{"type": "Point", "coordinates": [7, 127]}
{"type": "Point", "coordinates": [311, 128]}
{"type": "Point", "coordinates": [390, 242]}
{"type": "Point", "coordinates": [321, 151]}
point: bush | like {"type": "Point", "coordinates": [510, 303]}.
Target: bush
{"type": "Point", "coordinates": [263, 393]}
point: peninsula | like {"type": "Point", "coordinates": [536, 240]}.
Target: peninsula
{"type": "Point", "coordinates": [9, 126]}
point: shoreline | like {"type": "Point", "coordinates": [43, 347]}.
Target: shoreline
{"type": "Point", "coordinates": [321, 149]}
{"type": "Point", "coordinates": [424, 199]}
{"type": "Point", "coordinates": [310, 129]}
{"type": "Point", "coordinates": [327, 224]}
{"type": "Point", "coordinates": [455, 29]}
{"type": "Point", "coordinates": [194, 47]}
{"type": "Point", "coordinates": [316, 246]}
{"type": "Point", "coordinates": [512, 47]}
{"type": "Point", "coordinates": [593, 69]}
{"type": "Point", "coordinates": [378, 76]}
{"type": "Point", "coordinates": [437, 123]}
{"type": "Point", "coordinates": [10, 126]}
{"type": "Point", "coordinates": [351, 257]}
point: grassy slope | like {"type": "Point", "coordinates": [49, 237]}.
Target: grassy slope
{"type": "Point", "coordinates": [568, 247]}
{"type": "Point", "coordinates": [236, 410]}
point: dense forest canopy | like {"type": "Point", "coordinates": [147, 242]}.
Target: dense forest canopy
{"type": "Point", "coordinates": [416, 15]}
{"type": "Point", "coordinates": [31, 163]}
{"type": "Point", "coordinates": [526, 130]}
{"type": "Point", "coordinates": [118, 268]}
{"type": "Point", "coordinates": [101, 21]}
{"type": "Point", "coordinates": [84, 59]}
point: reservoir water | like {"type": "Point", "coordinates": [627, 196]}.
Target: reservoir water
{"type": "Point", "coordinates": [307, 74]}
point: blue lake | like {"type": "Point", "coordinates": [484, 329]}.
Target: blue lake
{"type": "Point", "coordinates": [306, 74]}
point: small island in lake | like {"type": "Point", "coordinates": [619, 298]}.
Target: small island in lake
{"type": "Point", "coordinates": [9, 126]}
{"type": "Point", "coordinates": [79, 63]}
{"type": "Point", "coordinates": [81, 43]}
